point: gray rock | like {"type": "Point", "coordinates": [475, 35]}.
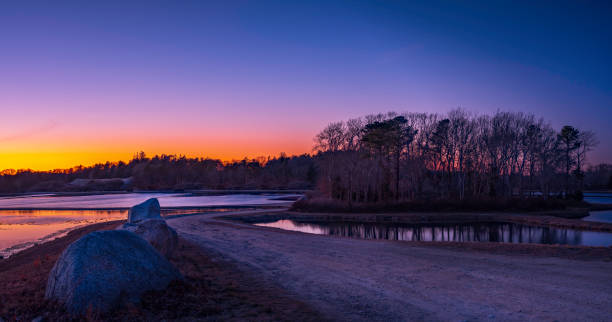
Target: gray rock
{"type": "Point", "coordinates": [147, 210]}
{"type": "Point", "coordinates": [103, 269]}
{"type": "Point", "coordinates": [161, 236]}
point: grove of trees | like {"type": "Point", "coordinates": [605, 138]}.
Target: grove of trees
{"type": "Point", "coordinates": [457, 156]}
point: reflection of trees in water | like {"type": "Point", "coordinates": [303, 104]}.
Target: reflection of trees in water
{"type": "Point", "coordinates": [483, 232]}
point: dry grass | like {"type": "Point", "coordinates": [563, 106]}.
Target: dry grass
{"type": "Point", "coordinates": [213, 290]}
{"type": "Point", "coordinates": [560, 207]}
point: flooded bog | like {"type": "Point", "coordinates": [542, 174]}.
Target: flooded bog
{"type": "Point", "coordinates": [468, 232]}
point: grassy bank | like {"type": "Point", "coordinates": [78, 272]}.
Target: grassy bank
{"type": "Point", "coordinates": [600, 206]}
{"type": "Point", "coordinates": [552, 206]}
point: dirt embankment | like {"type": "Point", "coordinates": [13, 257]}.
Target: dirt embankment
{"type": "Point", "coordinates": [214, 289]}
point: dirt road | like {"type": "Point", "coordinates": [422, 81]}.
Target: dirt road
{"type": "Point", "coordinates": [348, 279]}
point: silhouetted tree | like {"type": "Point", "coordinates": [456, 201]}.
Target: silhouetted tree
{"type": "Point", "coordinates": [569, 141]}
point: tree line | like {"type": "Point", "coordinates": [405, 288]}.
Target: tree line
{"type": "Point", "coordinates": [169, 172]}
{"type": "Point", "coordinates": [456, 156]}
{"type": "Point", "coordinates": [379, 158]}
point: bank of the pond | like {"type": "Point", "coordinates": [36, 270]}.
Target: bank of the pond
{"type": "Point", "coordinates": [30, 219]}
{"type": "Point", "coordinates": [566, 208]}
{"type": "Point", "coordinates": [213, 290]}
{"type": "Point", "coordinates": [600, 206]}
{"type": "Point", "coordinates": [428, 218]}
{"type": "Point", "coordinates": [367, 280]}
{"type": "Point", "coordinates": [237, 271]}
{"type": "Point", "coordinates": [22, 229]}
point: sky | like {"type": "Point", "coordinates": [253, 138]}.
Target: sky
{"type": "Point", "coordinates": [84, 82]}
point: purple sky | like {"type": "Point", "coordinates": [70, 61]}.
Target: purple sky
{"type": "Point", "coordinates": [84, 82]}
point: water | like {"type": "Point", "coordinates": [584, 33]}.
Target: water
{"type": "Point", "coordinates": [473, 232]}
{"type": "Point", "coordinates": [599, 197]}
{"type": "Point", "coordinates": [21, 229]}
{"type": "Point", "coordinates": [599, 216]}
{"type": "Point", "coordinates": [27, 220]}
{"type": "Point", "coordinates": [126, 200]}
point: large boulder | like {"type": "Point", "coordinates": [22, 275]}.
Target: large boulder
{"type": "Point", "coordinates": [104, 269]}
{"type": "Point", "coordinates": [145, 221]}
{"type": "Point", "coordinates": [144, 211]}
{"type": "Point", "coordinates": [163, 238]}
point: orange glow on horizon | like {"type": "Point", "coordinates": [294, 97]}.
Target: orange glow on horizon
{"type": "Point", "coordinates": [45, 160]}
{"type": "Point", "coordinates": [83, 144]}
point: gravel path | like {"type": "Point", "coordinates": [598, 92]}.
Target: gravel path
{"type": "Point", "coordinates": [348, 279]}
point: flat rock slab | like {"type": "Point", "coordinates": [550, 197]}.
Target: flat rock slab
{"type": "Point", "coordinates": [104, 269]}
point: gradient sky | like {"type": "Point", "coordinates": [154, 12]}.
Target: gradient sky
{"type": "Point", "coordinates": [84, 82]}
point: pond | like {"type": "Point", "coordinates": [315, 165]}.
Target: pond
{"type": "Point", "coordinates": [32, 219]}
{"type": "Point", "coordinates": [127, 200]}
{"type": "Point", "coordinates": [599, 216]}
{"type": "Point", "coordinates": [469, 232]}
{"type": "Point", "coordinates": [598, 197]}
{"type": "Point", "coordinates": [601, 198]}
{"type": "Point", "coordinates": [20, 229]}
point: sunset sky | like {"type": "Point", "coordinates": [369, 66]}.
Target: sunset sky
{"type": "Point", "coordinates": [84, 82]}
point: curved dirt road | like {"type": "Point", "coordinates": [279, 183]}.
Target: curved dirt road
{"type": "Point", "coordinates": [348, 279]}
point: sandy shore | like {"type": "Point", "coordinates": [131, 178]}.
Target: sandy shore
{"type": "Point", "coordinates": [349, 279]}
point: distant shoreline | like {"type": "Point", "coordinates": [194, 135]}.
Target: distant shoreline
{"type": "Point", "coordinates": [127, 208]}
{"type": "Point", "coordinates": [197, 192]}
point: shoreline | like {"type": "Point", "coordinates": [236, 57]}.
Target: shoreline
{"type": "Point", "coordinates": [573, 213]}
{"type": "Point", "coordinates": [418, 218]}
{"type": "Point", "coordinates": [214, 289]}
{"type": "Point", "coordinates": [209, 264]}
{"type": "Point", "coordinates": [128, 208]}
{"type": "Point", "coordinates": [197, 192]}
{"type": "Point", "coordinates": [359, 279]}
{"type": "Point", "coordinates": [414, 218]}
{"type": "Point", "coordinates": [167, 213]}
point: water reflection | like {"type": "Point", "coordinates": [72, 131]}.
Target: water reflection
{"type": "Point", "coordinates": [126, 200]}
{"type": "Point", "coordinates": [50, 216]}
{"type": "Point", "coordinates": [474, 232]}
{"type": "Point", "coordinates": [20, 229]}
